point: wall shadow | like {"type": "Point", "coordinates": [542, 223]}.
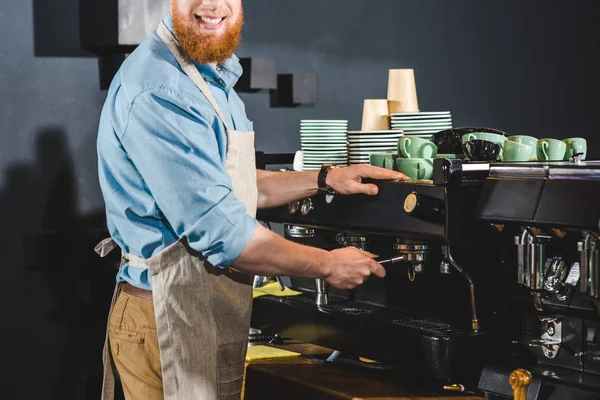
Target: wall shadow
{"type": "Point", "coordinates": [38, 206]}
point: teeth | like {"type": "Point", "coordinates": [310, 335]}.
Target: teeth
{"type": "Point", "coordinates": [210, 20]}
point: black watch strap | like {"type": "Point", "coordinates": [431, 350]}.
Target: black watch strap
{"type": "Point", "coordinates": [323, 178]}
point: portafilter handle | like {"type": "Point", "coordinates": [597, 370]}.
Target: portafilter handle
{"type": "Point", "coordinates": [392, 261]}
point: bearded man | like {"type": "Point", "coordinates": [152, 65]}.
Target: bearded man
{"type": "Point", "coordinates": [178, 176]}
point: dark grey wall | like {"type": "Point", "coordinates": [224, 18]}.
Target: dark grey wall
{"type": "Point", "coordinates": [525, 67]}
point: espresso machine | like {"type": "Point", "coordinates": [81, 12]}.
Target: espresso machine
{"type": "Point", "coordinates": [552, 213]}
{"type": "Point", "coordinates": [492, 285]}
{"type": "Point", "coordinates": [428, 309]}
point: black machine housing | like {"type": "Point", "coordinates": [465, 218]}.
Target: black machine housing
{"type": "Point", "coordinates": [425, 322]}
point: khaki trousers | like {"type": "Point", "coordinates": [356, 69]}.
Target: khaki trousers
{"type": "Point", "coordinates": [134, 347]}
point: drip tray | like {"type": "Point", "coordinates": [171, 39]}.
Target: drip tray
{"type": "Point", "coordinates": [382, 315]}
{"type": "Point", "coordinates": [429, 346]}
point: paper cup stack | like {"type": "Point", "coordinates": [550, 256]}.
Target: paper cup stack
{"type": "Point", "coordinates": [421, 124]}
{"type": "Point", "coordinates": [376, 115]}
{"type": "Point", "coordinates": [402, 91]}
{"type": "Point", "coordinates": [323, 142]}
{"type": "Point", "coordinates": [375, 135]}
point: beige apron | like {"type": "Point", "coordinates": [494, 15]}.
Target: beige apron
{"type": "Point", "coordinates": [202, 312]}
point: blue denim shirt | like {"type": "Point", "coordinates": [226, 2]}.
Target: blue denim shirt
{"type": "Point", "coordinates": [161, 160]}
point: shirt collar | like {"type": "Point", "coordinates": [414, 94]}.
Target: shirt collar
{"type": "Point", "coordinates": [225, 76]}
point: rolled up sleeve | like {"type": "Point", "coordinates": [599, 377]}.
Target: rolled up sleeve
{"type": "Point", "coordinates": [177, 152]}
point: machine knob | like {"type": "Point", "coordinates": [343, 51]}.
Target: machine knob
{"type": "Point", "coordinates": [556, 272]}
{"type": "Point", "coordinates": [306, 207]}
{"type": "Point", "coordinates": [425, 207]}
{"type": "Point", "coordinates": [293, 207]}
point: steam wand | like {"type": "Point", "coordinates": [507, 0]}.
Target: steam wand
{"type": "Point", "coordinates": [474, 319]}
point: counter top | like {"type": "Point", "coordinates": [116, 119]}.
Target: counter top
{"type": "Point", "coordinates": [307, 378]}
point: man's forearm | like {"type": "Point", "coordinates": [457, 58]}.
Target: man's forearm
{"type": "Point", "coordinates": [279, 188]}
{"type": "Point", "coordinates": [268, 254]}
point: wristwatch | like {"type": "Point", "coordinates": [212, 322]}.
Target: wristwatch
{"type": "Point", "coordinates": [323, 188]}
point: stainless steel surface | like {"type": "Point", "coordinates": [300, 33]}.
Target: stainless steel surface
{"type": "Point", "coordinates": [571, 170]}
{"type": "Point", "coordinates": [476, 167]}
{"type": "Point", "coordinates": [520, 242]}
{"type": "Point", "coordinates": [139, 18]}
{"type": "Point", "coordinates": [552, 335]}
{"type": "Point", "coordinates": [347, 239]}
{"type": "Point", "coordinates": [415, 253]}
{"type": "Point", "coordinates": [531, 252]}
{"type": "Point", "coordinates": [445, 268]}
{"type": "Point", "coordinates": [306, 207]}
{"type": "Point", "coordinates": [294, 207]}
{"type": "Point", "coordinates": [529, 170]}
{"type": "Point", "coordinates": [299, 232]}
{"type": "Point", "coordinates": [392, 261]}
{"type": "Point", "coordinates": [589, 250]}
{"type": "Point", "coordinates": [281, 285]}
{"type": "Point", "coordinates": [571, 174]}
{"type": "Point", "coordinates": [534, 278]}
{"type": "Point", "coordinates": [556, 272]}
{"type": "Point", "coordinates": [260, 281]}
{"type": "Point", "coordinates": [577, 158]}
{"type": "Point", "coordinates": [584, 281]}
{"type": "Point", "coordinates": [322, 292]}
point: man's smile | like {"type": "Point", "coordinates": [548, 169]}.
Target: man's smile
{"type": "Point", "coordinates": [211, 22]}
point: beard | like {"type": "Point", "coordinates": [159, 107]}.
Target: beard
{"type": "Point", "coordinates": [204, 47]}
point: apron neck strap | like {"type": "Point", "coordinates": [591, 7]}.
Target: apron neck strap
{"type": "Point", "coordinates": [188, 67]}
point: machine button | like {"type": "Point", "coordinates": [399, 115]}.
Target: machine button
{"type": "Point", "coordinates": [293, 207]}
{"type": "Point", "coordinates": [425, 207]}
{"type": "Point", "coordinates": [306, 207]}
{"type": "Point", "coordinates": [591, 336]}
{"type": "Point", "coordinates": [411, 202]}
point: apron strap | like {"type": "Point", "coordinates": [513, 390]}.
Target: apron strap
{"type": "Point", "coordinates": [105, 247]}
{"type": "Point", "coordinates": [188, 67]}
{"type": "Point", "coordinates": [134, 261]}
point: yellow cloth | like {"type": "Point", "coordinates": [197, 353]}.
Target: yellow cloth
{"type": "Point", "coordinates": [261, 352]}
{"type": "Point", "coordinates": [272, 289]}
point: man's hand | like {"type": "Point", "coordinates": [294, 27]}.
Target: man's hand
{"type": "Point", "coordinates": [349, 180]}
{"type": "Point", "coordinates": [350, 267]}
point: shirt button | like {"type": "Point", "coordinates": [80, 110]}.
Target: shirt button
{"type": "Point", "coordinates": [221, 81]}
{"type": "Point", "coordinates": [205, 79]}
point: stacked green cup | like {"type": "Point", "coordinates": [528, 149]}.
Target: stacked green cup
{"type": "Point", "coordinates": [519, 148]}
{"type": "Point", "coordinates": [575, 146]}
{"type": "Point", "coordinates": [383, 159]}
{"type": "Point", "coordinates": [415, 157]}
